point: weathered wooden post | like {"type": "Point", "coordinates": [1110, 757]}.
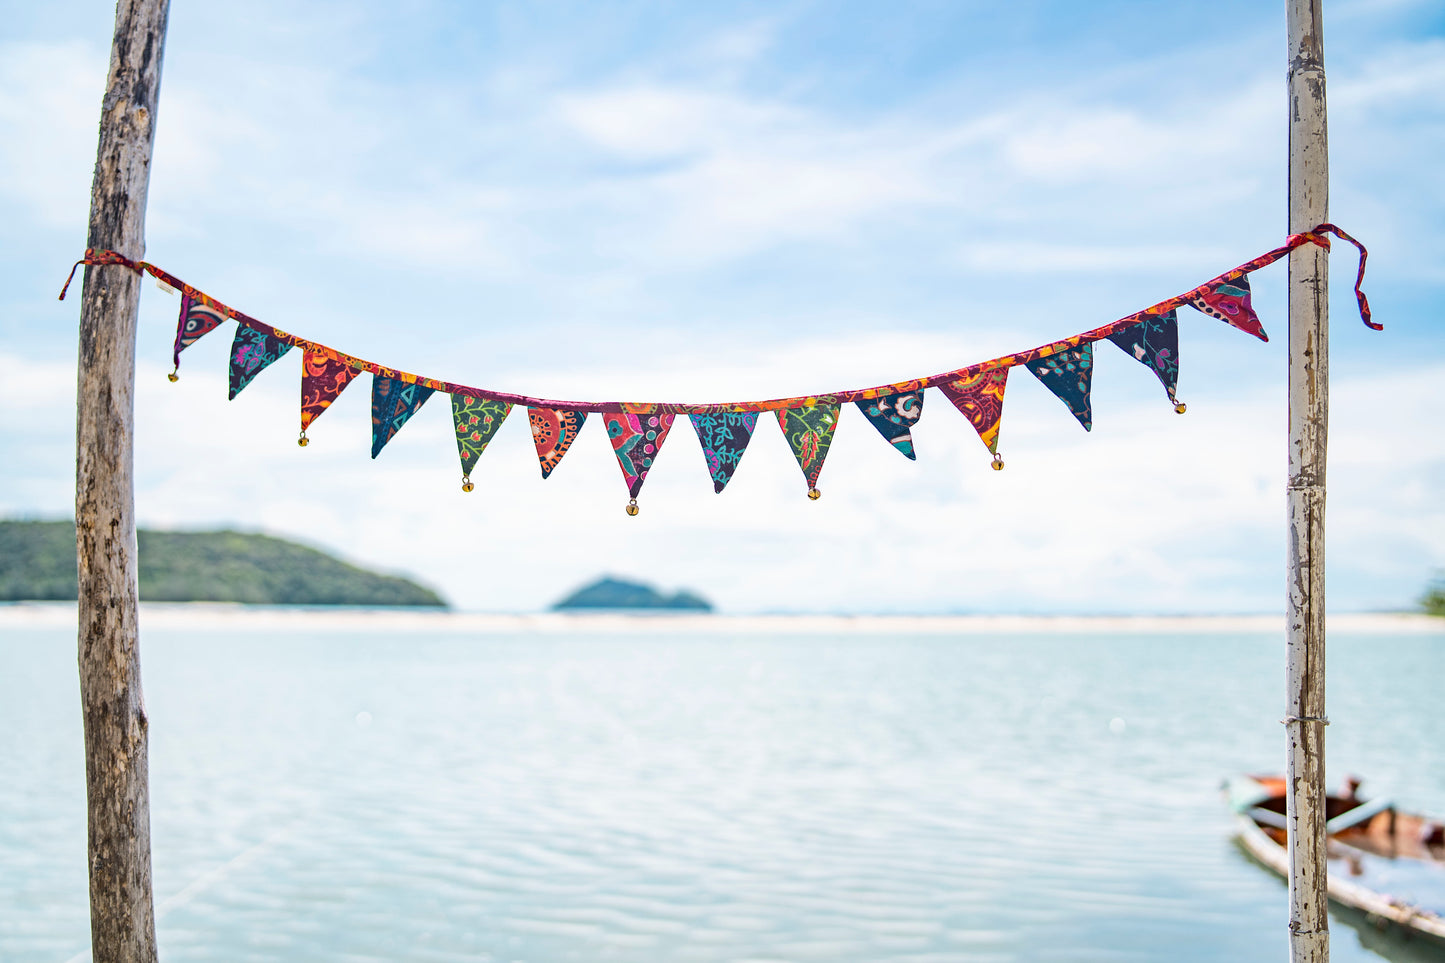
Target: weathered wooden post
{"type": "Point", "coordinates": [122, 915]}
{"type": "Point", "coordinates": [1309, 190]}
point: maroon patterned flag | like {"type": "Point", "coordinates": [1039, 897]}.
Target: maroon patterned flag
{"type": "Point", "coordinates": [197, 319]}
{"type": "Point", "coordinates": [1230, 302]}
{"type": "Point", "coordinates": [323, 378]}
{"type": "Point", "coordinates": [636, 440]}
{"type": "Point", "coordinates": [980, 398]}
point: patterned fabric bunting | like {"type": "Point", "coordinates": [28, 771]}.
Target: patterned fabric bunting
{"type": "Point", "coordinates": [1068, 375]}
{"type": "Point", "coordinates": [894, 417]}
{"type": "Point", "coordinates": [1154, 342]}
{"type": "Point", "coordinates": [323, 378]}
{"type": "Point", "coordinates": [476, 420]}
{"type": "Point", "coordinates": [197, 319]}
{"type": "Point", "coordinates": [553, 431]}
{"type": "Point", "coordinates": [724, 438]}
{"type": "Point", "coordinates": [980, 398]}
{"type": "Point", "coordinates": [393, 402]}
{"type": "Point", "coordinates": [636, 440]}
{"type": "Point", "coordinates": [809, 432]}
{"type": "Point", "coordinates": [1230, 302]}
{"type": "Point", "coordinates": [251, 352]}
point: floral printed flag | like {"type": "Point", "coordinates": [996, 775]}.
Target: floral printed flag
{"type": "Point", "coordinates": [980, 398]}
{"type": "Point", "coordinates": [636, 440]}
{"type": "Point", "coordinates": [393, 402]}
{"type": "Point", "coordinates": [1230, 302]}
{"type": "Point", "coordinates": [724, 438]}
{"type": "Point", "coordinates": [323, 378]}
{"type": "Point", "coordinates": [476, 421]}
{"type": "Point", "coordinates": [894, 416]}
{"type": "Point", "coordinates": [553, 431]}
{"type": "Point", "coordinates": [1068, 375]}
{"type": "Point", "coordinates": [809, 432]}
{"type": "Point", "coordinates": [251, 352]}
{"type": "Point", "coordinates": [197, 319]}
{"type": "Point", "coordinates": [1154, 342]}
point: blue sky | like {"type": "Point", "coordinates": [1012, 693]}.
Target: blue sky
{"type": "Point", "coordinates": [720, 201]}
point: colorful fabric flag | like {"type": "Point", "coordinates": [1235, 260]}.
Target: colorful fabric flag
{"type": "Point", "coordinates": [251, 352]}
{"type": "Point", "coordinates": [636, 440]}
{"type": "Point", "coordinates": [809, 432]}
{"type": "Point", "coordinates": [724, 438]}
{"type": "Point", "coordinates": [393, 402]}
{"type": "Point", "coordinates": [323, 378]}
{"type": "Point", "coordinates": [476, 421]}
{"type": "Point", "coordinates": [1154, 343]}
{"type": "Point", "coordinates": [1068, 375]}
{"type": "Point", "coordinates": [894, 416]}
{"type": "Point", "coordinates": [553, 431]}
{"type": "Point", "coordinates": [980, 398]}
{"type": "Point", "coordinates": [196, 319]}
{"type": "Point", "coordinates": [1230, 302]}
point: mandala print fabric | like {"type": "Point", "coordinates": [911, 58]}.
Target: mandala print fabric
{"type": "Point", "coordinates": [197, 319]}
{"type": "Point", "coordinates": [894, 416]}
{"type": "Point", "coordinates": [636, 440]}
{"type": "Point", "coordinates": [724, 438]}
{"type": "Point", "coordinates": [476, 421]}
{"type": "Point", "coordinates": [980, 398]}
{"type": "Point", "coordinates": [1154, 342]}
{"type": "Point", "coordinates": [393, 402]}
{"type": "Point", "coordinates": [809, 432]}
{"type": "Point", "coordinates": [1230, 302]}
{"type": "Point", "coordinates": [323, 378]}
{"type": "Point", "coordinates": [251, 352]}
{"type": "Point", "coordinates": [1068, 375]}
{"type": "Point", "coordinates": [553, 432]}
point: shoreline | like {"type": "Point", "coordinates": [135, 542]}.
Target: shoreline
{"type": "Point", "coordinates": [222, 615]}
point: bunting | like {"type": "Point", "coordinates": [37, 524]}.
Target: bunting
{"type": "Point", "coordinates": [724, 437]}
{"type": "Point", "coordinates": [636, 440]}
{"type": "Point", "coordinates": [323, 378]}
{"type": "Point", "coordinates": [1154, 342]}
{"type": "Point", "coordinates": [553, 431]}
{"type": "Point", "coordinates": [393, 402]}
{"type": "Point", "coordinates": [636, 431]}
{"type": "Point", "coordinates": [197, 319]}
{"type": "Point", "coordinates": [894, 416]}
{"type": "Point", "coordinates": [809, 432]}
{"type": "Point", "coordinates": [476, 421]}
{"type": "Point", "coordinates": [1068, 375]}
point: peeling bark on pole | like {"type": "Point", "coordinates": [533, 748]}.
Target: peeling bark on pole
{"type": "Point", "coordinates": [122, 916]}
{"type": "Point", "coordinates": [1309, 187]}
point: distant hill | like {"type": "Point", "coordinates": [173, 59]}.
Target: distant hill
{"type": "Point", "coordinates": [37, 562]}
{"type": "Point", "coordinates": [613, 593]}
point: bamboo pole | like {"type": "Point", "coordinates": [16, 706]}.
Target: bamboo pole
{"type": "Point", "coordinates": [122, 915]}
{"type": "Point", "coordinates": [1308, 427]}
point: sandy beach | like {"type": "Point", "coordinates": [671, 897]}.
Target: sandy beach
{"type": "Point", "coordinates": [222, 616]}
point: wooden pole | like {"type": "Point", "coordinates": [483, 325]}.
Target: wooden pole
{"type": "Point", "coordinates": [1309, 189]}
{"type": "Point", "coordinates": [122, 915]}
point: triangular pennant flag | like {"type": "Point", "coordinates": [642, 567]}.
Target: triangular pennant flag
{"type": "Point", "coordinates": [251, 352]}
{"type": "Point", "coordinates": [1230, 302]}
{"type": "Point", "coordinates": [1068, 375]}
{"type": "Point", "coordinates": [393, 402]}
{"type": "Point", "coordinates": [323, 378]}
{"type": "Point", "coordinates": [476, 420]}
{"type": "Point", "coordinates": [724, 437]}
{"type": "Point", "coordinates": [894, 416]}
{"type": "Point", "coordinates": [980, 398]}
{"type": "Point", "coordinates": [1154, 343]}
{"type": "Point", "coordinates": [809, 432]}
{"type": "Point", "coordinates": [553, 431]}
{"type": "Point", "coordinates": [636, 440]}
{"type": "Point", "coordinates": [196, 319]}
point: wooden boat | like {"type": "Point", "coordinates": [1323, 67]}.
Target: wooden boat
{"type": "Point", "coordinates": [1388, 864]}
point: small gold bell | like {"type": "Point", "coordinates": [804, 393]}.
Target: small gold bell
{"type": "Point", "coordinates": [1181, 407]}
{"type": "Point", "coordinates": [814, 494]}
{"type": "Point", "coordinates": [632, 508]}
{"type": "Point", "coordinates": [173, 377]}
{"type": "Point", "coordinates": [997, 462]}
{"type": "Point", "coordinates": [467, 483]}
{"type": "Point", "coordinates": [303, 441]}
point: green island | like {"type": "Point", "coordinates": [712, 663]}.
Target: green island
{"type": "Point", "coordinates": [37, 563]}
{"type": "Point", "coordinates": [1433, 601]}
{"type": "Point", "coordinates": [615, 593]}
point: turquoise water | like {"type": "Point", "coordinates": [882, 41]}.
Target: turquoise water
{"type": "Point", "coordinates": [358, 796]}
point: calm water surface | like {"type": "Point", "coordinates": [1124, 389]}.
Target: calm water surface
{"type": "Point", "coordinates": [365, 796]}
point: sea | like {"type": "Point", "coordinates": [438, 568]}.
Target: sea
{"type": "Point", "coordinates": [698, 793]}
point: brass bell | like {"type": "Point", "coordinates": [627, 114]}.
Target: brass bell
{"type": "Point", "coordinates": [467, 483]}
{"type": "Point", "coordinates": [997, 462]}
{"type": "Point", "coordinates": [814, 494]}
{"type": "Point", "coordinates": [632, 508]}
{"type": "Point", "coordinates": [303, 441]}
{"type": "Point", "coordinates": [1181, 407]}
{"type": "Point", "coordinates": [173, 377]}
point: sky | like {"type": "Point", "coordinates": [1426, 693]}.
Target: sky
{"type": "Point", "coordinates": [731, 201]}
